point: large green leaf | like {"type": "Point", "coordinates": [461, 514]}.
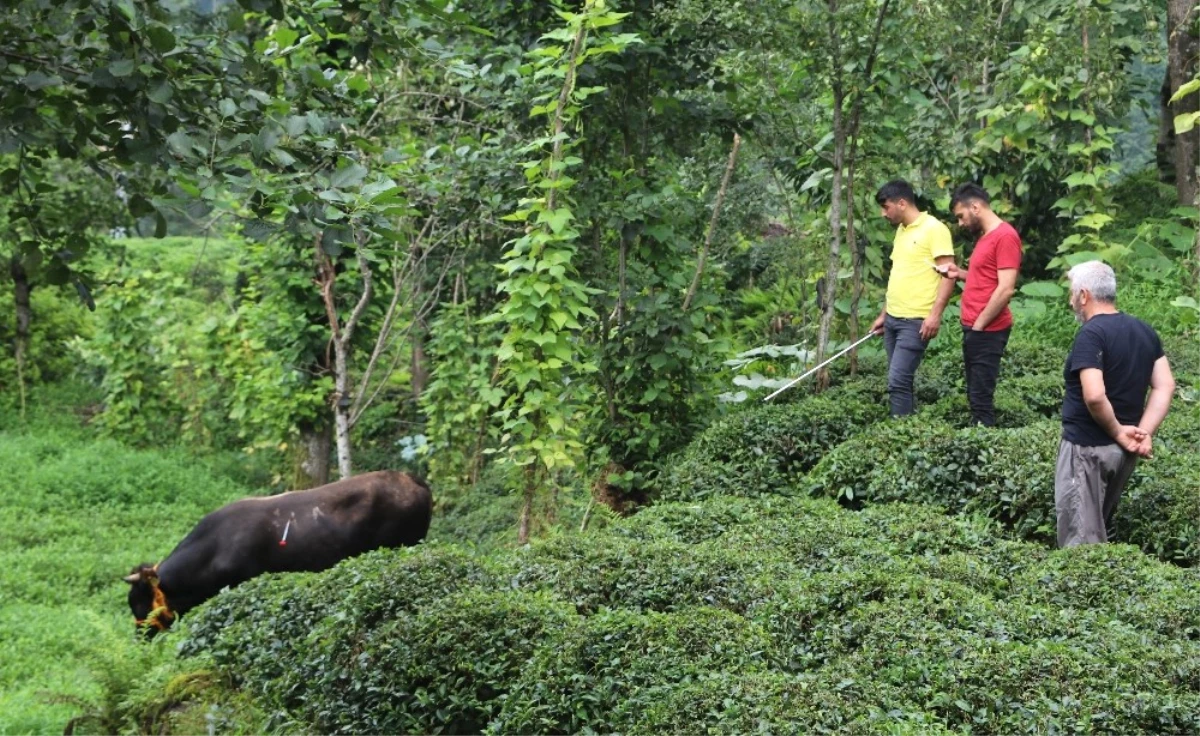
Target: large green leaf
{"type": "Point", "coordinates": [1043, 289]}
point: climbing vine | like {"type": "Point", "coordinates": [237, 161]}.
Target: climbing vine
{"type": "Point", "coordinates": [545, 299]}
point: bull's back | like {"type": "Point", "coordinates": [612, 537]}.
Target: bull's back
{"type": "Point", "coordinates": [298, 531]}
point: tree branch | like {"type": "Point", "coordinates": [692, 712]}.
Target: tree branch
{"type": "Point", "coordinates": [364, 268]}
{"type": "Point", "coordinates": [712, 223]}
{"type": "Point", "coordinates": [390, 315]}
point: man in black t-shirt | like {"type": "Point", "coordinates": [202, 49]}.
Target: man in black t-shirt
{"type": "Point", "coordinates": [1107, 421]}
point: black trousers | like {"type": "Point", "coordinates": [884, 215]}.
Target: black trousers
{"type": "Point", "coordinates": [982, 352]}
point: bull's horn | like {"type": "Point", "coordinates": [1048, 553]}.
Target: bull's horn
{"type": "Point", "coordinates": [132, 579]}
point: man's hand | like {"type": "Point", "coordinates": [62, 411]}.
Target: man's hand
{"type": "Point", "coordinates": [1132, 439]}
{"type": "Point", "coordinates": [1145, 448]}
{"type": "Point", "coordinates": [877, 325]}
{"type": "Point", "coordinates": [948, 271]}
{"type": "Point", "coordinates": [930, 327]}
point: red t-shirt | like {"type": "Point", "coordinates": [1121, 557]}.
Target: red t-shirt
{"type": "Point", "coordinates": [1001, 248]}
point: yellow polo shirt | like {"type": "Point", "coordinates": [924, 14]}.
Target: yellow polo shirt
{"type": "Point", "coordinates": [913, 284]}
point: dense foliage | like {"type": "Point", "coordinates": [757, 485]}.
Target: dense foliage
{"type": "Point", "coordinates": [735, 615]}
{"type": "Point", "coordinates": [552, 255]}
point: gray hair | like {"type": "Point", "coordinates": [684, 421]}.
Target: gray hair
{"type": "Point", "coordinates": [1097, 278]}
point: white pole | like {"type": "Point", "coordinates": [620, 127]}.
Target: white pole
{"type": "Point", "coordinates": [793, 382]}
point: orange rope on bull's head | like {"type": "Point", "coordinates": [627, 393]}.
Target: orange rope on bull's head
{"type": "Point", "coordinates": [161, 616]}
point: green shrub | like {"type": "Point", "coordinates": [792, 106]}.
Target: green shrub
{"type": "Point", "coordinates": [1183, 350]}
{"type": "Point", "coordinates": [1041, 393]}
{"type": "Point", "coordinates": [1028, 353]}
{"type": "Point", "coordinates": [603, 672]}
{"type": "Point", "coordinates": [987, 675]}
{"type": "Point", "coordinates": [360, 591]}
{"type": "Point", "coordinates": [1028, 356]}
{"type": "Point", "coordinates": [954, 410]}
{"type": "Point", "coordinates": [598, 572]}
{"type": "Point", "coordinates": [56, 318]}
{"type": "Point", "coordinates": [481, 515]}
{"type": "Point", "coordinates": [1007, 475]}
{"type": "Point", "coordinates": [448, 667]}
{"type": "Point", "coordinates": [764, 449]}
{"type": "Point", "coordinates": [1118, 581]}
{"type": "Point", "coordinates": [825, 702]}
{"type": "Point", "coordinates": [1160, 509]}
{"type": "Point", "coordinates": [692, 523]}
{"type": "Point", "coordinates": [730, 615]}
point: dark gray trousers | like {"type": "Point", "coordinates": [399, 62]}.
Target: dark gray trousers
{"type": "Point", "coordinates": [1088, 482]}
{"type": "Point", "coordinates": [905, 348]}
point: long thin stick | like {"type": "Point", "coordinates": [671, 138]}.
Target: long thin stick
{"type": "Point", "coordinates": [712, 224]}
{"type": "Point", "coordinates": [816, 368]}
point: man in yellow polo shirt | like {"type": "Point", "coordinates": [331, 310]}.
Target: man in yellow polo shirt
{"type": "Point", "coordinates": [916, 293]}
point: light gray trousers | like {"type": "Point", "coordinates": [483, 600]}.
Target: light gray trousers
{"type": "Point", "coordinates": [1088, 482]}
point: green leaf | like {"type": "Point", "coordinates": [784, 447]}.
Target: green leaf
{"type": "Point", "coordinates": [332, 239]}
{"type": "Point", "coordinates": [1074, 259]}
{"type": "Point", "coordinates": [227, 107]}
{"type": "Point", "coordinates": [161, 38]}
{"type": "Point", "coordinates": [122, 68]}
{"type": "Point", "coordinates": [1186, 89]}
{"type": "Point", "coordinates": [558, 219]}
{"type": "Point", "coordinates": [1186, 122]}
{"type": "Point", "coordinates": [296, 125]}
{"type": "Point", "coordinates": [161, 93]}
{"type": "Point", "coordinates": [1095, 221]}
{"type": "Point", "coordinates": [349, 175]}
{"type": "Point", "coordinates": [38, 80]}
{"type": "Point", "coordinates": [282, 157]}
{"type": "Point", "coordinates": [180, 143]}
{"type": "Point", "coordinates": [1042, 289]}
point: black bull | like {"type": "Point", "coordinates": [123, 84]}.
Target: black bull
{"type": "Point", "coordinates": [300, 531]}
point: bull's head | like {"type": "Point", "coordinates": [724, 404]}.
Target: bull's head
{"type": "Point", "coordinates": [151, 613]}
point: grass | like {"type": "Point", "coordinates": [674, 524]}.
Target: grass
{"type": "Point", "coordinates": [75, 515]}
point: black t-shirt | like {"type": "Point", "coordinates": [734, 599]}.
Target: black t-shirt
{"type": "Point", "coordinates": [1125, 349]}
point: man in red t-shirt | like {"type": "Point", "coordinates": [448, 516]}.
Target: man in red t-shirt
{"type": "Point", "coordinates": [990, 283]}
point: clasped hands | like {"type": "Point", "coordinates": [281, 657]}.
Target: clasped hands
{"type": "Point", "coordinates": [1135, 440]}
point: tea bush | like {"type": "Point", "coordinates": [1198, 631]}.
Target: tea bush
{"type": "Point", "coordinates": [1008, 475]}
{"type": "Point", "coordinates": [1160, 509]}
{"type": "Point", "coordinates": [442, 669]}
{"type": "Point", "coordinates": [732, 615]}
{"type": "Point", "coordinates": [764, 449]}
{"type": "Point", "coordinates": [825, 702]}
{"type": "Point", "coordinates": [596, 573]}
{"type": "Point", "coordinates": [601, 673]}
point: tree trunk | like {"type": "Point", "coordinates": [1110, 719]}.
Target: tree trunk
{"type": "Point", "coordinates": [340, 338]}
{"type": "Point", "coordinates": [341, 409]}
{"type": "Point", "coordinates": [21, 291]}
{"type": "Point", "coordinates": [526, 518]}
{"type": "Point", "coordinates": [1182, 50]}
{"type": "Point", "coordinates": [851, 235]}
{"type": "Point", "coordinates": [311, 468]}
{"type": "Point", "coordinates": [712, 223]}
{"type": "Point", "coordinates": [835, 206]}
{"type": "Point", "coordinates": [1164, 148]}
{"type": "Point", "coordinates": [420, 361]}
{"type": "Point", "coordinates": [856, 263]}
{"type": "Point", "coordinates": [835, 242]}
